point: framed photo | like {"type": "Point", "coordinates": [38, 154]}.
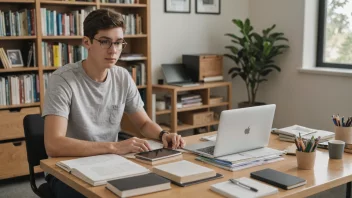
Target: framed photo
{"type": "Point", "coordinates": [178, 6]}
{"type": "Point", "coordinates": [208, 6]}
{"type": "Point", "coordinates": [15, 58]}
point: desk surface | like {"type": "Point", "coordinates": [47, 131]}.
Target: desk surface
{"type": "Point", "coordinates": [326, 174]}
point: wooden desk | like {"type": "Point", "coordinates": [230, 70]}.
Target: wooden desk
{"type": "Point", "coordinates": [326, 174]}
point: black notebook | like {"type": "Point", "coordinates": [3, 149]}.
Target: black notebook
{"type": "Point", "coordinates": [138, 185]}
{"type": "Point", "coordinates": [277, 178]}
{"type": "Point", "coordinates": [157, 154]}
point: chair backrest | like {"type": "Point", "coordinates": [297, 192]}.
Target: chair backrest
{"type": "Point", "coordinates": [34, 133]}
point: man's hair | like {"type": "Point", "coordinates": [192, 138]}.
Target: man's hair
{"type": "Point", "coordinates": [102, 19]}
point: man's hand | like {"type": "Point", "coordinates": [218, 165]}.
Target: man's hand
{"type": "Point", "coordinates": [174, 140]}
{"type": "Point", "coordinates": [132, 145]}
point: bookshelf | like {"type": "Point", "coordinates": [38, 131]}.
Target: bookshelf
{"type": "Point", "coordinates": [204, 90]}
{"type": "Point", "coordinates": [12, 148]}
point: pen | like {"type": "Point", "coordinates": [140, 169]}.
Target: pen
{"type": "Point", "coordinates": [243, 185]}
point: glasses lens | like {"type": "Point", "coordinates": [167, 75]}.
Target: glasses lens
{"type": "Point", "coordinates": [105, 44]}
{"type": "Point", "coordinates": [120, 45]}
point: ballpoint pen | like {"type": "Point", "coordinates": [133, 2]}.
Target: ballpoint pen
{"type": "Point", "coordinates": [243, 185]}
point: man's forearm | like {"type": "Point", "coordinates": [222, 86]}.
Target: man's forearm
{"type": "Point", "coordinates": [151, 130]}
{"type": "Point", "coordinates": [65, 147]}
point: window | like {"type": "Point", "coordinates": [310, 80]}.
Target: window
{"type": "Point", "coordinates": [335, 34]}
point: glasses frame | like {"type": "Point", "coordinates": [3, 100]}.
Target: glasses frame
{"type": "Point", "coordinates": [123, 42]}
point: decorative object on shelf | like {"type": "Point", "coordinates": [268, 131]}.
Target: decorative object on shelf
{"type": "Point", "coordinates": [178, 6]}
{"type": "Point", "coordinates": [15, 57]}
{"type": "Point", "coordinates": [208, 6]}
{"type": "Point", "coordinates": [160, 105]}
{"type": "Point", "coordinates": [253, 54]}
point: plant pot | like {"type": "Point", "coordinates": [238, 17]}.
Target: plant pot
{"type": "Point", "coordinates": [246, 104]}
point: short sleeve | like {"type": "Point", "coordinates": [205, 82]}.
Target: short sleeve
{"type": "Point", "coordinates": [134, 101]}
{"type": "Point", "coordinates": [58, 96]}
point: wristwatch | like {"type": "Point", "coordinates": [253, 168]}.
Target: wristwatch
{"type": "Point", "coordinates": [161, 134]}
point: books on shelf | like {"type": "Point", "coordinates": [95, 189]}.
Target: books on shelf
{"type": "Point", "coordinates": [18, 23]}
{"type": "Point", "coordinates": [138, 185]}
{"type": "Point", "coordinates": [229, 189]}
{"type": "Point", "coordinates": [138, 73]}
{"type": "Point", "coordinates": [183, 171]}
{"type": "Point", "coordinates": [289, 133]}
{"type": "Point", "coordinates": [120, 1]}
{"type": "Point", "coordinates": [131, 57]}
{"type": "Point", "coordinates": [97, 170]}
{"type": "Point", "coordinates": [185, 100]}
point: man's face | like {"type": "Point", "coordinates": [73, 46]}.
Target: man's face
{"type": "Point", "coordinates": [104, 55]}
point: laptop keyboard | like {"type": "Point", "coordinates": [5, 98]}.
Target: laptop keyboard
{"type": "Point", "coordinates": [209, 150]}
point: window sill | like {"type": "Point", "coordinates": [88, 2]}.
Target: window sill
{"type": "Point", "coordinates": [327, 71]}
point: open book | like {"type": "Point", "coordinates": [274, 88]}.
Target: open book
{"type": "Point", "coordinates": [289, 133]}
{"type": "Point", "coordinates": [97, 170]}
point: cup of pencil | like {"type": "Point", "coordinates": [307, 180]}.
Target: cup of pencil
{"type": "Point", "coordinates": [305, 152]}
{"type": "Point", "coordinates": [343, 128]}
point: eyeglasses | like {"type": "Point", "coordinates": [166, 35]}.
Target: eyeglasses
{"type": "Point", "coordinates": [106, 44]}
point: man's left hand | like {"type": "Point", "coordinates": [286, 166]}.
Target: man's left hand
{"type": "Point", "coordinates": [174, 140]}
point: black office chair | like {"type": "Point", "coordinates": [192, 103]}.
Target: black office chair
{"type": "Point", "coordinates": [34, 133]}
{"type": "Point", "coordinates": [124, 136]}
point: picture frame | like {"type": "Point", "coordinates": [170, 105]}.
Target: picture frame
{"type": "Point", "coordinates": [15, 57]}
{"type": "Point", "coordinates": [208, 6]}
{"type": "Point", "coordinates": [177, 6]}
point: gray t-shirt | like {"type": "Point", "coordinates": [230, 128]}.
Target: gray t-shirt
{"type": "Point", "coordinates": [93, 109]}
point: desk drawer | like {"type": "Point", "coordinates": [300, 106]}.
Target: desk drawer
{"type": "Point", "coordinates": [11, 123]}
{"type": "Point", "coordinates": [13, 159]}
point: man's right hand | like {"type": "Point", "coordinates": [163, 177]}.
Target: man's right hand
{"type": "Point", "coordinates": [132, 145]}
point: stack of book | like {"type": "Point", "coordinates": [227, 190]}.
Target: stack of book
{"type": "Point", "coordinates": [290, 133]}
{"type": "Point", "coordinates": [185, 100]}
{"type": "Point", "coordinates": [244, 160]}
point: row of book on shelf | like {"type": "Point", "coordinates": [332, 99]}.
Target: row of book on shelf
{"type": "Point", "coordinates": [20, 89]}
{"type": "Point", "coordinates": [13, 57]}
{"type": "Point", "coordinates": [137, 71]}
{"type": "Point", "coordinates": [120, 1]}
{"type": "Point", "coordinates": [128, 178]}
{"type": "Point", "coordinates": [185, 100]}
{"type": "Point", "coordinates": [58, 54]}
{"type": "Point", "coordinates": [17, 23]}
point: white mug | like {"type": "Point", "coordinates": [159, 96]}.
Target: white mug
{"type": "Point", "coordinates": [160, 105]}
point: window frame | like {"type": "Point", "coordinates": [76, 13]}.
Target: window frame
{"type": "Point", "coordinates": [320, 42]}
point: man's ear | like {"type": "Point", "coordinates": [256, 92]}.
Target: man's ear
{"type": "Point", "coordinates": [86, 42]}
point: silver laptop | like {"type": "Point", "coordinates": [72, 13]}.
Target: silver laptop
{"type": "Point", "coordinates": [239, 130]}
{"type": "Point", "coordinates": [176, 74]}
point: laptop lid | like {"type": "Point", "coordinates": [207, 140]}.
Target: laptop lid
{"type": "Point", "coordinates": [244, 129]}
{"type": "Point", "coordinates": [175, 73]}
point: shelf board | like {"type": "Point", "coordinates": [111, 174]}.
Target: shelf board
{"type": "Point", "coordinates": [135, 36]}
{"type": "Point", "coordinates": [192, 108]}
{"type": "Point", "coordinates": [17, 1]}
{"type": "Point", "coordinates": [69, 3]}
{"type": "Point", "coordinates": [17, 37]}
{"type": "Point", "coordinates": [184, 127]}
{"type": "Point", "coordinates": [50, 68]}
{"type": "Point", "coordinates": [20, 105]}
{"type": "Point", "coordinates": [19, 69]}
{"type": "Point", "coordinates": [139, 59]}
{"type": "Point", "coordinates": [61, 37]}
{"type": "Point", "coordinates": [123, 5]}
{"type": "Point", "coordinates": [142, 86]}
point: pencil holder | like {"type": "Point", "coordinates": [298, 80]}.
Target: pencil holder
{"type": "Point", "coordinates": [305, 160]}
{"type": "Point", "coordinates": [343, 134]}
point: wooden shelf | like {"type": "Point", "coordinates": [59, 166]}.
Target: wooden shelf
{"type": "Point", "coordinates": [142, 86]}
{"type": "Point", "coordinates": [69, 3]}
{"type": "Point", "coordinates": [139, 59]}
{"type": "Point", "coordinates": [19, 69]}
{"type": "Point", "coordinates": [17, 37]}
{"type": "Point", "coordinates": [20, 105]}
{"type": "Point", "coordinates": [49, 68]}
{"type": "Point", "coordinates": [188, 126]}
{"type": "Point", "coordinates": [192, 108]}
{"type": "Point", "coordinates": [135, 36]}
{"type": "Point", "coordinates": [61, 37]}
{"type": "Point", "coordinates": [123, 5]}
{"type": "Point", "coordinates": [17, 1]}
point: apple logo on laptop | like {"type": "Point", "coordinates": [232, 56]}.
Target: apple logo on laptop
{"type": "Point", "coordinates": [246, 131]}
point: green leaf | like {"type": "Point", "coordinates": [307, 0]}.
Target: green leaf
{"type": "Point", "coordinates": [234, 75]}
{"type": "Point", "coordinates": [233, 49]}
{"type": "Point", "coordinates": [233, 36]}
{"type": "Point", "coordinates": [238, 22]}
{"type": "Point", "coordinates": [265, 72]}
{"type": "Point", "coordinates": [236, 69]}
{"type": "Point", "coordinates": [243, 76]}
{"type": "Point", "coordinates": [273, 66]}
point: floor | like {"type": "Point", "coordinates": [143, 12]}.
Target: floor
{"type": "Point", "coordinates": [19, 187]}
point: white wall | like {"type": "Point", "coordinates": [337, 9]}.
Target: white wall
{"type": "Point", "coordinates": [177, 34]}
{"type": "Point", "coordinates": [301, 98]}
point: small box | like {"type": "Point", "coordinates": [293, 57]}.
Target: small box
{"type": "Point", "coordinates": [203, 65]}
{"type": "Point", "coordinates": [215, 100]}
{"type": "Point", "coordinates": [197, 118]}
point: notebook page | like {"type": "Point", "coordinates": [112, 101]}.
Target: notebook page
{"type": "Point", "coordinates": [183, 168]}
{"type": "Point", "coordinates": [88, 161]}
{"type": "Point", "coordinates": [262, 152]}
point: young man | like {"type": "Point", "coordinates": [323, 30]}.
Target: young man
{"type": "Point", "coordinates": [85, 101]}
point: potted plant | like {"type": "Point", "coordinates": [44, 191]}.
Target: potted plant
{"type": "Point", "coordinates": [253, 54]}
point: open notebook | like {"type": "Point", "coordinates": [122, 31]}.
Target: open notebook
{"type": "Point", "coordinates": [97, 170]}
{"type": "Point", "coordinates": [228, 189]}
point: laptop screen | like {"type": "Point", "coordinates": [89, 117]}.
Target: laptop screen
{"type": "Point", "coordinates": [175, 73]}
